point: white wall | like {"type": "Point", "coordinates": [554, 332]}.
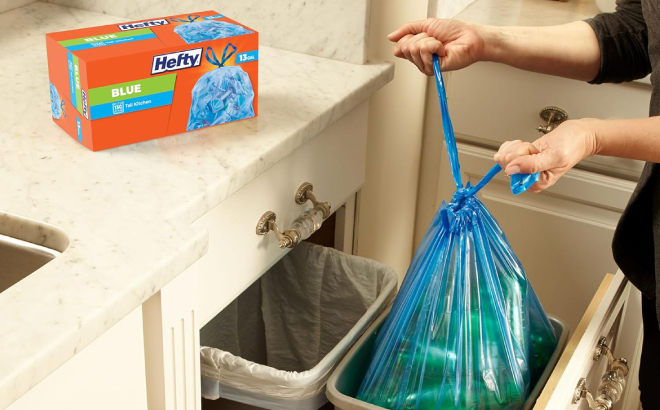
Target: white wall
{"type": "Point", "coordinates": [396, 113]}
{"type": "Point", "coordinates": [6, 5]}
{"type": "Point", "coordinates": [332, 29]}
{"type": "Point", "coordinates": [388, 201]}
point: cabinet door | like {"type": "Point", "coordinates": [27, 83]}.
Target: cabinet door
{"type": "Point", "coordinates": [614, 314]}
{"type": "Point", "coordinates": [333, 161]}
{"type": "Point", "coordinates": [108, 374]}
{"type": "Point", "coordinates": [562, 236]}
{"type": "Point", "coordinates": [505, 102]}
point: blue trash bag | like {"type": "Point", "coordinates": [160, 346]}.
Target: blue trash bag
{"type": "Point", "coordinates": [466, 330]}
{"type": "Point", "coordinates": [222, 95]}
{"type": "Point", "coordinates": [205, 30]}
{"type": "Point", "coordinates": [56, 105]}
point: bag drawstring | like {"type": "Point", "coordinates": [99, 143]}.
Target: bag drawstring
{"type": "Point", "coordinates": [62, 108]}
{"type": "Point", "coordinates": [214, 60]}
{"type": "Point", "coordinates": [519, 182]}
{"type": "Point", "coordinates": [191, 18]}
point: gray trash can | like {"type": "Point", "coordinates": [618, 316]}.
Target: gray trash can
{"type": "Point", "coordinates": [276, 345]}
{"type": "Point", "coordinates": [345, 381]}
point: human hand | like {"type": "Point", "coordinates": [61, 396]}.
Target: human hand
{"type": "Point", "coordinates": [551, 155]}
{"type": "Point", "coordinates": [459, 43]}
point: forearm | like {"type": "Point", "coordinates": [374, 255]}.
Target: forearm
{"type": "Point", "coordinates": [569, 50]}
{"type": "Point", "coordinates": [628, 138]}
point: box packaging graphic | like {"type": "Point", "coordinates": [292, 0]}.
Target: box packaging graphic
{"type": "Point", "coordinates": [124, 83]}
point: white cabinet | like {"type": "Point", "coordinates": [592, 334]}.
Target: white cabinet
{"type": "Point", "coordinates": [109, 374]}
{"type": "Point", "coordinates": [491, 103]}
{"type": "Point", "coordinates": [334, 162]}
{"type": "Point", "coordinates": [613, 314]}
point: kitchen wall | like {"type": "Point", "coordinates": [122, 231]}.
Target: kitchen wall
{"type": "Point", "coordinates": [388, 202]}
{"type": "Point", "coordinates": [333, 29]}
{"type": "Point", "coordinates": [6, 5]}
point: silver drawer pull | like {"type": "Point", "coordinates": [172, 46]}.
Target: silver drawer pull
{"type": "Point", "coordinates": [303, 226]}
{"type": "Point", "coordinates": [553, 116]}
{"type": "Point", "coordinates": [611, 384]}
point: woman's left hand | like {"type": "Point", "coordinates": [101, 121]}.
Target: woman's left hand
{"type": "Point", "coordinates": [552, 155]}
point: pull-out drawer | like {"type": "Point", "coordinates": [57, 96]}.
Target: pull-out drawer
{"type": "Point", "coordinates": [334, 162]}
{"type": "Point", "coordinates": [492, 103]}
{"type": "Point", "coordinates": [613, 317]}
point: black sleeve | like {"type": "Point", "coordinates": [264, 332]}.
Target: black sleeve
{"type": "Point", "coordinates": [623, 40]}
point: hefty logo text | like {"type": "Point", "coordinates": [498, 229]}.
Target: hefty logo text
{"type": "Point", "coordinates": [142, 24]}
{"type": "Point", "coordinates": [176, 61]}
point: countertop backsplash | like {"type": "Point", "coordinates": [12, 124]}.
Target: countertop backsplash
{"type": "Point", "coordinates": [335, 29]}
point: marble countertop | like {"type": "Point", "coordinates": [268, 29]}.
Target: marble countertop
{"type": "Point", "coordinates": [127, 211]}
{"type": "Point", "coordinates": [528, 12]}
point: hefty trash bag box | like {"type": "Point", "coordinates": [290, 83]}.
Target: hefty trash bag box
{"type": "Point", "coordinates": [124, 83]}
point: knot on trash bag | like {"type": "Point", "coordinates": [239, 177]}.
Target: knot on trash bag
{"type": "Point", "coordinates": [214, 60]}
{"type": "Point", "coordinates": [460, 211]}
{"type": "Point", "coordinates": [190, 19]}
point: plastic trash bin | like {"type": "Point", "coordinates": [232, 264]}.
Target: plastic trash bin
{"type": "Point", "coordinates": [347, 377]}
{"type": "Point", "coordinates": [276, 345]}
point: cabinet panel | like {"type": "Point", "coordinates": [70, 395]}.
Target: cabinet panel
{"type": "Point", "coordinates": [334, 161]}
{"type": "Point", "coordinates": [612, 314]}
{"type": "Point", "coordinates": [562, 236]}
{"type": "Point", "coordinates": [507, 101]}
{"type": "Point", "coordinates": [108, 374]}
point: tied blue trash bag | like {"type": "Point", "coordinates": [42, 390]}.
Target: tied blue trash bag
{"type": "Point", "coordinates": [56, 105]}
{"type": "Point", "coordinates": [466, 330]}
{"type": "Point", "coordinates": [222, 95]}
{"type": "Point", "coordinates": [205, 30]}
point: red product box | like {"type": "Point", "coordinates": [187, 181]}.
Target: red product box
{"type": "Point", "coordinates": [124, 83]}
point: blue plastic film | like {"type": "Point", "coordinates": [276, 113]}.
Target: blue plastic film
{"type": "Point", "coordinates": [522, 182]}
{"type": "Point", "coordinates": [55, 102]}
{"type": "Point", "coordinates": [221, 95]}
{"type": "Point", "coordinates": [466, 330]}
{"type": "Point", "coordinates": [205, 30]}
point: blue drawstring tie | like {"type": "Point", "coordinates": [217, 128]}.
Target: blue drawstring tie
{"type": "Point", "coordinates": [214, 60]}
{"type": "Point", "coordinates": [62, 108]}
{"type": "Point", "coordinates": [189, 20]}
{"type": "Point", "coordinates": [519, 182]}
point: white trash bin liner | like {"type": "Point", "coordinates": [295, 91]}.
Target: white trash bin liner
{"type": "Point", "coordinates": [276, 345]}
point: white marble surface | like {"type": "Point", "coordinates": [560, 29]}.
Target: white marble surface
{"type": "Point", "coordinates": [6, 5]}
{"type": "Point", "coordinates": [528, 12]}
{"type": "Point", "coordinates": [335, 29]}
{"type": "Point", "coordinates": [127, 211]}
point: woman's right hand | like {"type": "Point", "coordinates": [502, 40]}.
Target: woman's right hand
{"type": "Point", "coordinates": [459, 43]}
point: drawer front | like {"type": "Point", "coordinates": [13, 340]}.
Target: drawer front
{"type": "Point", "coordinates": [333, 161]}
{"type": "Point", "coordinates": [608, 315]}
{"type": "Point", "coordinates": [492, 103]}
